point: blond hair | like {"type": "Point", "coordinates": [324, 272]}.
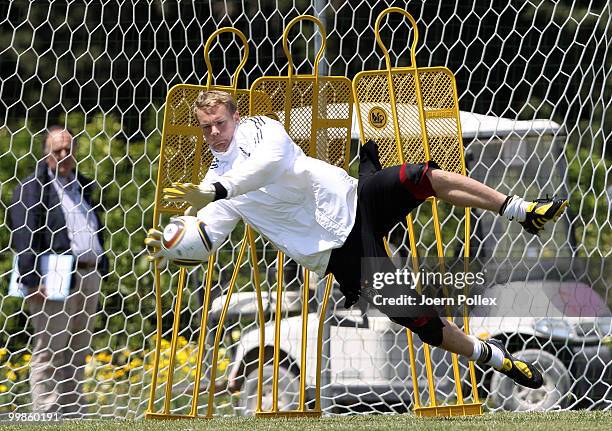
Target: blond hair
{"type": "Point", "coordinates": [212, 98]}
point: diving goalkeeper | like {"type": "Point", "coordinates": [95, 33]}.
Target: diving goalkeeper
{"type": "Point", "coordinates": [329, 222]}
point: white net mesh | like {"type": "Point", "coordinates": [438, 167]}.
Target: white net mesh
{"type": "Point", "coordinates": [104, 71]}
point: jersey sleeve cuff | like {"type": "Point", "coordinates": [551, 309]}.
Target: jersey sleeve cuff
{"type": "Point", "coordinates": [221, 191]}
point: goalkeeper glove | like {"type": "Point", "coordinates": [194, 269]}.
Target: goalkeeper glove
{"type": "Point", "coordinates": [155, 250]}
{"type": "Point", "coordinates": [196, 196]}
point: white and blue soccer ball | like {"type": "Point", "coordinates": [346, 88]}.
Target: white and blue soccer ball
{"type": "Point", "coordinates": [186, 242]}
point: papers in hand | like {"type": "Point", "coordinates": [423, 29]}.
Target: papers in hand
{"type": "Point", "coordinates": [56, 276]}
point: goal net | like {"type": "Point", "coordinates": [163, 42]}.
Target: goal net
{"type": "Point", "coordinates": [534, 90]}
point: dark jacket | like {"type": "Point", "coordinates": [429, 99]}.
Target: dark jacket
{"type": "Point", "coordinates": [38, 224]}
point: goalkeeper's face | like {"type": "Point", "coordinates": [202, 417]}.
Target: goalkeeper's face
{"type": "Point", "coordinates": [218, 126]}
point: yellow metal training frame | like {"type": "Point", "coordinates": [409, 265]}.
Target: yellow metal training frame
{"type": "Point", "coordinates": [184, 157]}
{"type": "Point", "coordinates": [413, 115]}
{"type": "Point", "coordinates": [317, 113]}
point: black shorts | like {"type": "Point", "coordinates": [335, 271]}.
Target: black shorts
{"type": "Point", "coordinates": [385, 197]}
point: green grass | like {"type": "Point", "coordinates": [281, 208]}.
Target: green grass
{"type": "Point", "coordinates": [577, 420]}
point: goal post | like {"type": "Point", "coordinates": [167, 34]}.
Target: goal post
{"type": "Point", "coordinates": [533, 98]}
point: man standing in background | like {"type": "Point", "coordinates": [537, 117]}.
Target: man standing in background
{"type": "Point", "coordinates": [52, 213]}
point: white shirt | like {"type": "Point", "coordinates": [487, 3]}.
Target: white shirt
{"type": "Point", "coordinates": [304, 206]}
{"type": "Point", "coordinates": [81, 221]}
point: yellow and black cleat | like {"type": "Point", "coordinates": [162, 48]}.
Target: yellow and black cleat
{"type": "Point", "coordinates": [521, 372]}
{"type": "Point", "coordinates": [541, 211]}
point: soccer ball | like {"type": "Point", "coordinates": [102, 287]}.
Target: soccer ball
{"type": "Point", "coordinates": [186, 242]}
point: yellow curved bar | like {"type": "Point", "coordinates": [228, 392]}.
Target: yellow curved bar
{"type": "Point", "coordinates": [392, 99]}
{"type": "Point", "coordinates": [430, 376]}
{"type": "Point", "coordinates": [466, 319]}
{"type": "Point", "coordinates": [245, 55]}
{"type": "Point", "coordinates": [328, 289]}
{"type": "Point", "coordinates": [157, 287]}
{"type": "Point", "coordinates": [457, 376]}
{"type": "Point", "coordinates": [361, 82]}
{"type": "Point", "coordinates": [175, 328]}
{"type": "Point", "coordinates": [158, 334]}
{"type": "Point", "coordinates": [203, 333]}
{"type": "Point", "coordinates": [294, 21]}
{"type": "Point", "coordinates": [215, 358]}
{"type": "Point", "coordinates": [277, 327]}
{"type": "Point", "coordinates": [382, 45]}
{"type": "Point", "coordinates": [186, 129]}
{"type": "Point", "coordinates": [305, 299]}
{"type": "Point", "coordinates": [440, 250]}
{"type": "Point", "coordinates": [426, 352]}
{"type": "Point", "coordinates": [260, 315]}
{"type": "Point", "coordinates": [411, 353]}
{"type": "Point", "coordinates": [413, 372]}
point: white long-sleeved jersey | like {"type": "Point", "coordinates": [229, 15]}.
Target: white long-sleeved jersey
{"type": "Point", "coordinates": [304, 206]}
